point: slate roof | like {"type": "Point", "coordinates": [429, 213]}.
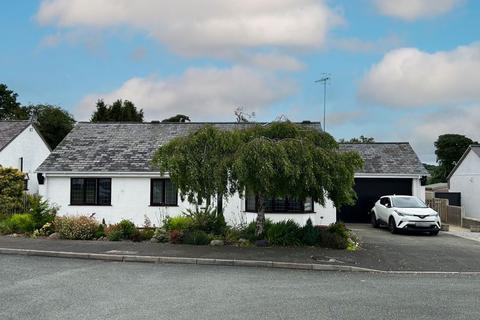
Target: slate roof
{"type": "Point", "coordinates": [120, 147]}
{"type": "Point", "coordinates": [387, 158]}
{"type": "Point", "coordinates": [128, 147]}
{"type": "Point", "coordinates": [9, 130]}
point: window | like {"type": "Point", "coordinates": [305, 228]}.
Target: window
{"type": "Point", "coordinates": [279, 204]}
{"type": "Point", "coordinates": [386, 202]}
{"type": "Point", "coordinates": [163, 193]}
{"type": "Point", "coordinates": [91, 191]}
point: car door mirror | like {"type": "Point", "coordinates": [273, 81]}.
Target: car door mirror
{"type": "Point", "coordinates": [387, 205]}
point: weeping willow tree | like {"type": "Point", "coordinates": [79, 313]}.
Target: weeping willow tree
{"type": "Point", "coordinates": [279, 159]}
{"type": "Point", "coordinates": [286, 159]}
{"type": "Point", "coordinates": [199, 164]}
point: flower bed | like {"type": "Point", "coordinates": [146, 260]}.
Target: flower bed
{"type": "Point", "coordinates": [194, 227]}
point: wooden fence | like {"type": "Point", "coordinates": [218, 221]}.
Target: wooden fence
{"type": "Point", "coordinates": [448, 214]}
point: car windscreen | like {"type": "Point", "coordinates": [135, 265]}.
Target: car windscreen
{"type": "Point", "coordinates": [408, 202]}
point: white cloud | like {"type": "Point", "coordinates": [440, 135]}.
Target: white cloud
{"type": "Point", "coordinates": [199, 27]}
{"type": "Point", "coordinates": [343, 117]}
{"type": "Point", "coordinates": [203, 94]}
{"type": "Point", "coordinates": [275, 61]}
{"type": "Point", "coordinates": [414, 9]}
{"type": "Point", "coordinates": [356, 45]}
{"type": "Point", "coordinates": [462, 120]}
{"type": "Point", "coordinates": [409, 77]}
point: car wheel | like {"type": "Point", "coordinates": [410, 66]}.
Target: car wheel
{"type": "Point", "coordinates": [392, 226]}
{"type": "Point", "coordinates": [434, 233]}
{"type": "Point", "coordinates": [374, 220]}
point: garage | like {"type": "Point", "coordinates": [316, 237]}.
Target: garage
{"type": "Point", "coordinates": [389, 168]}
{"type": "Point", "coordinates": [368, 191]}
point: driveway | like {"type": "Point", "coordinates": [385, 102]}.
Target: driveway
{"type": "Point", "coordinates": [382, 250]}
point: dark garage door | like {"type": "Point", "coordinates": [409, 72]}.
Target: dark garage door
{"type": "Point", "coordinates": [368, 191]}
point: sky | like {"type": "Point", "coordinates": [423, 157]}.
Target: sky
{"type": "Point", "coordinates": [403, 70]}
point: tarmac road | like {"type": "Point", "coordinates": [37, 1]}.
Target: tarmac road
{"type": "Point", "coordinates": [55, 288]}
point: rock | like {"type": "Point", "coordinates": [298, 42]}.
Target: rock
{"type": "Point", "coordinates": [261, 243]}
{"type": "Point", "coordinates": [154, 240]}
{"type": "Point", "coordinates": [54, 236]}
{"type": "Point", "coordinates": [217, 243]}
{"type": "Point", "coordinates": [242, 240]}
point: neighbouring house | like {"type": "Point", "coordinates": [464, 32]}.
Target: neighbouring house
{"type": "Point", "coordinates": [465, 178]}
{"type": "Point", "coordinates": [23, 147]}
{"type": "Point", "coordinates": [104, 168]}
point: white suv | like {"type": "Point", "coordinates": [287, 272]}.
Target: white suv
{"type": "Point", "coordinates": [405, 213]}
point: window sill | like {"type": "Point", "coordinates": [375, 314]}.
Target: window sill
{"type": "Point", "coordinates": [266, 212]}
{"type": "Point", "coordinates": [89, 205]}
{"type": "Point", "coordinates": [163, 205]}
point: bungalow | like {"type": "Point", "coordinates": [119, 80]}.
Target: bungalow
{"type": "Point", "coordinates": [22, 147]}
{"type": "Point", "coordinates": [105, 169]}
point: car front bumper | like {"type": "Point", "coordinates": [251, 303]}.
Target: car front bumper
{"type": "Point", "coordinates": [421, 225]}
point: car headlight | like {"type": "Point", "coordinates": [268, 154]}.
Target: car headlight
{"type": "Point", "coordinates": [401, 214]}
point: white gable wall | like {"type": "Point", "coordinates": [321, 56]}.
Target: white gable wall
{"type": "Point", "coordinates": [130, 199]}
{"type": "Point", "coordinates": [466, 179]}
{"type": "Point", "coordinates": [29, 145]}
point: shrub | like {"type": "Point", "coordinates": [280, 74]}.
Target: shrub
{"type": "Point", "coordinates": [127, 228]}
{"type": "Point", "coordinates": [180, 223]}
{"type": "Point", "coordinates": [333, 240]}
{"type": "Point", "coordinates": [160, 235]}
{"type": "Point", "coordinates": [114, 233]}
{"type": "Point", "coordinates": [18, 223]}
{"type": "Point", "coordinates": [175, 236]}
{"type": "Point", "coordinates": [76, 228]}
{"type": "Point", "coordinates": [249, 232]}
{"type": "Point", "coordinates": [46, 230]}
{"type": "Point", "coordinates": [100, 233]}
{"type": "Point", "coordinates": [207, 220]}
{"type": "Point", "coordinates": [124, 230]}
{"type": "Point", "coordinates": [310, 234]}
{"type": "Point", "coordinates": [336, 236]}
{"type": "Point", "coordinates": [232, 236]}
{"type": "Point", "coordinates": [142, 235]}
{"type": "Point", "coordinates": [41, 210]}
{"type": "Point", "coordinates": [11, 190]}
{"type": "Point", "coordinates": [284, 233]}
{"type": "Point", "coordinates": [196, 237]}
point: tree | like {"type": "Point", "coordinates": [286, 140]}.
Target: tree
{"type": "Point", "coordinates": [280, 159]}
{"type": "Point", "coordinates": [53, 122]}
{"type": "Point", "coordinates": [434, 171]}
{"type": "Point", "coordinates": [285, 159]}
{"type": "Point", "coordinates": [199, 164]}
{"type": "Point", "coordinates": [119, 111]}
{"type": "Point", "coordinates": [361, 139]}
{"type": "Point", "coordinates": [10, 109]}
{"type": "Point", "coordinates": [177, 118]}
{"type": "Point", "coordinates": [242, 116]}
{"type": "Point", "coordinates": [449, 149]}
{"type": "Point", "coordinates": [11, 190]}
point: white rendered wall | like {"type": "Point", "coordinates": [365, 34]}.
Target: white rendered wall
{"type": "Point", "coordinates": [418, 190]}
{"type": "Point", "coordinates": [131, 200]}
{"type": "Point", "coordinates": [34, 151]}
{"type": "Point", "coordinates": [466, 179]}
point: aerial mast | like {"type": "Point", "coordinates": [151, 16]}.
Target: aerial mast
{"type": "Point", "coordinates": [325, 79]}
